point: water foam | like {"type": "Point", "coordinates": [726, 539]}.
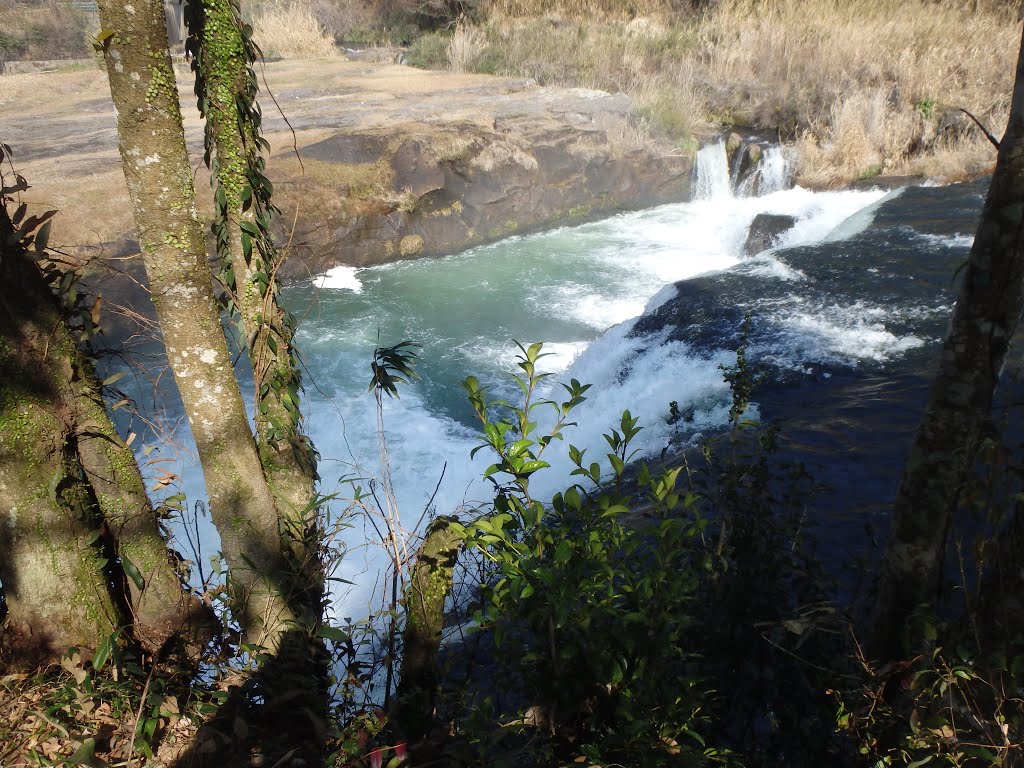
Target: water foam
{"type": "Point", "coordinates": [949, 241]}
{"type": "Point", "coordinates": [711, 173]}
{"type": "Point", "coordinates": [339, 278]}
{"type": "Point", "coordinates": [837, 333]}
{"type": "Point", "coordinates": [770, 175]}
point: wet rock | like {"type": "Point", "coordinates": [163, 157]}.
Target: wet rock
{"type": "Point", "coordinates": [765, 231]}
{"type": "Point", "coordinates": [733, 144]}
{"type": "Point", "coordinates": [699, 312]}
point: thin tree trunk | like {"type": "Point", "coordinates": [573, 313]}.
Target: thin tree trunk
{"type": "Point", "coordinates": [228, 89]}
{"type": "Point", "coordinates": [429, 585]}
{"type": "Point", "coordinates": [159, 181]}
{"type": "Point", "coordinates": [960, 403]}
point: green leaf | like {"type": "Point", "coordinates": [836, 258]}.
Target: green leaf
{"type": "Point", "coordinates": [334, 634]}
{"type": "Point", "coordinates": [102, 652]}
{"type": "Point", "coordinates": [532, 466]}
{"type": "Point", "coordinates": [86, 755]}
{"type": "Point", "coordinates": [518, 447]}
{"type": "Point", "coordinates": [42, 237]}
{"type": "Point", "coordinates": [563, 552]}
{"type": "Point", "coordinates": [116, 377]}
{"type": "Point", "coordinates": [572, 498]}
{"type": "Point", "coordinates": [132, 572]}
{"type": "Point", "coordinates": [919, 763]}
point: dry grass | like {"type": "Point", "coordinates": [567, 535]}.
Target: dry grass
{"type": "Point", "coordinates": [46, 30]}
{"type": "Point", "coordinates": [860, 86]}
{"type": "Point", "coordinates": [288, 29]}
{"type": "Point", "coordinates": [603, 9]}
{"type": "Point", "coordinates": [62, 82]}
{"type": "Point", "coordinates": [465, 47]}
{"type": "Point", "coordinates": [866, 84]}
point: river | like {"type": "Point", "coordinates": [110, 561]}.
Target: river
{"type": "Point", "coordinates": [848, 310]}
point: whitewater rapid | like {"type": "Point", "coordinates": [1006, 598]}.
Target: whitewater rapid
{"type": "Point", "coordinates": [579, 290]}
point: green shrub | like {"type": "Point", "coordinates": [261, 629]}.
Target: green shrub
{"type": "Point", "coordinates": [590, 596]}
{"type": "Point", "coordinates": [429, 51]}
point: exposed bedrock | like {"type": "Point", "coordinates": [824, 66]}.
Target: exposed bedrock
{"type": "Point", "coordinates": [374, 195]}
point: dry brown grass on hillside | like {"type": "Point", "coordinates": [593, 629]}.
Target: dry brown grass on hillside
{"type": "Point", "coordinates": [861, 86]}
{"type": "Point", "coordinates": [869, 86]}
{"type": "Point", "coordinates": [25, 86]}
{"type": "Point", "coordinates": [288, 29]}
{"type": "Point", "coordinates": [604, 9]}
{"type": "Point", "coordinates": [45, 30]}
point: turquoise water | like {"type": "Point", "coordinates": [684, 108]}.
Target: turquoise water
{"type": "Point", "coordinates": [577, 290]}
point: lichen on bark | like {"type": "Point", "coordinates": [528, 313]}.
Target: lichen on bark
{"type": "Point", "coordinates": [54, 575]}
{"type": "Point", "coordinates": [159, 180]}
{"type": "Point", "coordinates": [429, 585]}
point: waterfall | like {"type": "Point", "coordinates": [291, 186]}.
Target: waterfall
{"type": "Point", "coordinates": [713, 179]}
{"type": "Point", "coordinates": [772, 174]}
{"type": "Point", "coordinates": [711, 173]}
{"type": "Point", "coordinates": [774, 170]}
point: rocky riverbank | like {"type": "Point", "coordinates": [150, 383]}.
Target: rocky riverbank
{"type": "Point", "coordinates": [372, 161]}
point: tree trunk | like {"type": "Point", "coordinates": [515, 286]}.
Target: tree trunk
{"type": "Point", "coordinates": [52, 561]}
{"type": "Point", "coordinates": [159, 181]}
{"type": "Point", "coordinates": [159, 607]}
{"type": "Point", "coordinates": [228, 90]}
{"type": "Point", "coordinates": [112, 517]}
{"type": "Point", "coordinates": [960, 403]}
{"type": "Point", "coordinates": [429, 585]}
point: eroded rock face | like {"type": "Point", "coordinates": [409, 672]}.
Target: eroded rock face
{"type": "Point", "coordinates": [374, 195]}
{"type": "Point", "coordinates": [372, 161]}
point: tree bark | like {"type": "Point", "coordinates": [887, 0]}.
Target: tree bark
{"type": "Point", "coordinates": [52, 559]}
{"type": "Point", "coordinates": [227, 88]}
{"type": "Point", "coordinates": [960, 402]}
{"type": "Point", "coordinates": [49, 380]}
{"type": "Point", "coordinates": [159, 180]}
{"type": "Point", "coordinates": [160, 609]}
{"type": "Point", "coordinates": [429, 585]}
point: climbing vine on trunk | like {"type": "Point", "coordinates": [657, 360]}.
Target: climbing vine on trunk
{"type": "Point", "coordinates": [223, 55]}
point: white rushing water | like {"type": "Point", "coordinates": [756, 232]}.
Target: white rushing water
{"type": "Point", "coordinates": [576, 289]}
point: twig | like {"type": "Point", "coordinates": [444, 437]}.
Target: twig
{"type": "Point", "coordinates": [430, 501]}
{"type": "Point", "coordinates": [138, 714]}
{"type": "Point", "coordinates": [989, 136]}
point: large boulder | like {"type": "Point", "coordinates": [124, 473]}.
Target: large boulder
{"type": "Point", "coordinates": [765, 231]}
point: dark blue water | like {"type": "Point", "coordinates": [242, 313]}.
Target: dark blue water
{"type": "Point", "coordinates": [848, 334]}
